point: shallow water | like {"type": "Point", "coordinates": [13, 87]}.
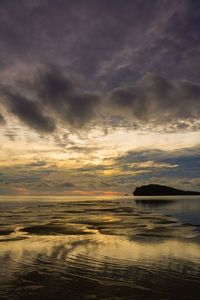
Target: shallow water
{"type": "Point", "coordinates": [124, 248]}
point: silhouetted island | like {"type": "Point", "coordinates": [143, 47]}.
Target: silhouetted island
{"type": "Point", "coordinates": [160, 190]}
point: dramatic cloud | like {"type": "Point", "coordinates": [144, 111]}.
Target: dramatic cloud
{"type": "Point", "coordinates": [179, 168]}
{"type": "Point", "coordinates": [59, 93]}
{"type": "Point", "coordinates": [81, 81]}
{"type": "Point", "coordinates": [107, 42]}
{"type": "Point", "coordinates": [157, 100]}
{"type": "Point", "coordinates": [153, 101]}
{"type": "Point", "coordinates": [29, 112]}
{"type": "Point", "coordinates": [55, 55]}
{"type": "Point", "coordinates": [52, 98]}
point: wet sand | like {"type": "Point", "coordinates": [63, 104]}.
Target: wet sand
{"type": "Point", "coordinates": [100, 249]}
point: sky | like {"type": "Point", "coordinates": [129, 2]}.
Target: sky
{"type": "Point", "coordinates": [98, 97]}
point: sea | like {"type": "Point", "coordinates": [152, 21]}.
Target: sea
{"type": "Point", "coordinates": [100, 248]}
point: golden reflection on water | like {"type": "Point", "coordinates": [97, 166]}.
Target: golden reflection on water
{"type": "Point", "coordinates": [113, 247]}
{"type": "Point", "coordinates": [117, 250]}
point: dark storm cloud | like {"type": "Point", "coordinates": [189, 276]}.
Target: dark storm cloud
{"type": "Point", "coordinates": [153, 101]}
{"type": "Point", "coordinates": [112, 40]}
{"type": "Point", "coordinates": [63, 96]}
{"type": "Point", "coordinates": [29, 112]}
{"type": "Point", "coordinates": [53, 87]}
{"type": "Point", "coordinates": [110, 46]}
{"type": "Point", "coordinates": [83, 34]}
{"type": "Point", "coordinates": [169, 44]}
{"type": "Point", "coordinates": [52, 98]}
{"type": "Point", "coordinates": [156, 99]}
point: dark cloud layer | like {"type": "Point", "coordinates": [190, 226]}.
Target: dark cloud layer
{"type": "Point", "coordinates": [56, 54]}
{"type": "Point", "coordinates": [153, 101]}
{"type": "Point", "coordinates": [29, 112]}
{"type": "Point", "coordinates": [157, 100]}
{"type": "Point", "coordinates": [67, 66]}
{"type": "Point", "coordinates": [52, 98]}
{"type": "Point", "coordinates": [106, 40]}
{"type": "Point", "coordinates": [59, 93]}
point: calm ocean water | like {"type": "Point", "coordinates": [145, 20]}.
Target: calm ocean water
{"type": "Point", "coordinates": [100, 248]}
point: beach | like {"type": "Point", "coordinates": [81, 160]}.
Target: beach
{"type": "Point", "coordinates": [110, 248]}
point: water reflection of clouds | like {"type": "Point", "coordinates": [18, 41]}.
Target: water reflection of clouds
{"type": "Point", "coordinates": [112, 243]}
{"type": "Point", "coordinates": [110, 246]}
{"type": "Point", "coordinates": [47, 262]}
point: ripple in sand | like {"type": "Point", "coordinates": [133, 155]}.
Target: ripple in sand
{"type": "Point", "coordinates": [54, 229]}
